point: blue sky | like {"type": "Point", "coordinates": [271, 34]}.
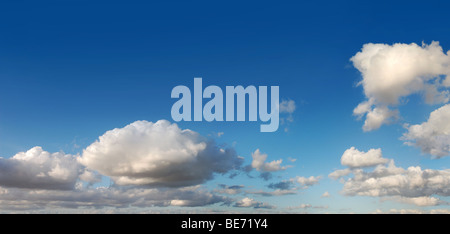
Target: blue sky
{"type": "Point", "coordinates": [72, 70]}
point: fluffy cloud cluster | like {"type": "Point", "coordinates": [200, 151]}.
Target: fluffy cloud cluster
{"type": "Point", "coordinates": [432, 136]}
{"type": "Point", "coordinates": [392, 72]}
{"type": "Point", "coordinates": [158, 154]}
{"type": "Point", "coordinates": [413, 185]}
{"type": "Point", "coordinates": [152, 164]}
{"type": "Point", "coordinates": [37, 168]}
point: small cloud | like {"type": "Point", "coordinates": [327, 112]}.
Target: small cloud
{"type": "Point", "coordinates": [265, 176]}
{"type": "Point", "coordinates": [354, 158]}
{"type": "Point", "coordinates": [306, 206]}
{"type": "Point", "coordinates": [283, 185]}
{"type": "Point", "coordinates": [418, 201]}
{"type": "Point", "coordinates": [292, 159]}
{"type": "Point", "coordinates": [287, 106]}
{"type": "Point", "coordinates": [325, 194]}
{"type": "Point", "coordinates": [306, 181]}
{"type": "Point", "coordinates": [249, 202]}
{"type": "Point", "coordinates": [230, 190]}
{"type": "Point", "coordinates": [260, 165]}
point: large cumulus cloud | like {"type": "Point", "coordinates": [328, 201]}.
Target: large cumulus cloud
{"type": "Point", "coordinates": [158, 154]}
{"type": "Point", "coordinates": [393, 72]}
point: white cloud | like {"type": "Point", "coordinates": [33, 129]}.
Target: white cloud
{"type": "Point", "coordinates": [339, 173]}
{"type": "Point", "coordinates": [39, 169]}
{"type": "Point", "coordinates": [325, 194]}
{"type": "Point", "coordinates": [418, 201]}
{"type": "Point", "coordinates": [158, 154]}
{"type": "Point", "coordinates": [260, 164]}
{"type": "Point", "coordinates": [287, 106]}
{"type": "Point", "coordinates": [433, 136]}
{"type": "Point", "coordinates": [354, 158]}
{"type": "Point", "coordinates": [413, 211]}
{"type": "Point", "coordinates": [90, 177]}
{"type": "Point", "coordinates": [249, 202]}
{"type": "Point", "coordinates": [413, 185]}
{"type": "Point", "coordinates": [379, 116]}
{"type": "Point", "coordinates": [305, 206]}
{"type": "Point", "coordinates": [306, 181]}
{"type": "Point", "coordinates": [392, 72]}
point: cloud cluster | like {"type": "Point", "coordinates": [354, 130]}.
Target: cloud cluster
{"type": "Point", "coordinates": [393, 72]}
{"type": "Point", "coordinates": [40, 169]}
{"type": "Point", "coordinates": [432, 136]}
{"type": "Point", "coordinates": [412, 185]}
{"type": "Point", "coordinates": [288, 187]}
{"type": "Point", "coordinates": [151, 164]}
{"type": "Point", "coordinates": [413, 211]}
{"type": "Point", "coordinates": [114, 197]}
{"type": "Point", "coordinates": [158, 154]}
{"type": "Point", "coordinates": [287, 107]}
{"type": "Point", "coordinates": [249, 202]}
{"type": "Point", "coordinates": [418, 201]}
{"type": "Point", "coordinates": [259, 163]}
